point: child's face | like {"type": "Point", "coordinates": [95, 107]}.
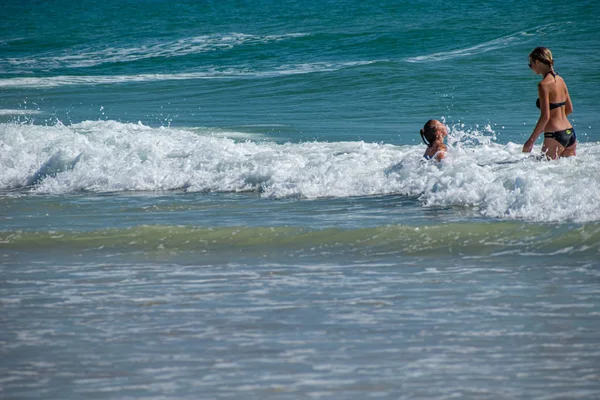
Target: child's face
{"type": "Point", "coordinates": [443, 130]}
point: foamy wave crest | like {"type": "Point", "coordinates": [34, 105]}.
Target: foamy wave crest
{"type": "Point", "coordinates": [284, 70]}
{"type": "Point", "coordinates": [82, 58]}
{"type": "Point", "coordinates": [103, 156]}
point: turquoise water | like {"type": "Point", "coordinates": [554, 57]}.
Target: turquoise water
{"type": "Point", "coordinates": [227, 200]}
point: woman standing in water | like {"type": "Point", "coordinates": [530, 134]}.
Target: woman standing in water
{"type": "Point", "coordinates": [555, 105]}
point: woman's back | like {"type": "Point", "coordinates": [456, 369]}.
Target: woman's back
{"type": "Point", "coordinates": [558, 100]}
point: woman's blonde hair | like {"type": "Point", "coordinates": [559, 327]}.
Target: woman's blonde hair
{"type": "Point", "coordinates": [543, 55]}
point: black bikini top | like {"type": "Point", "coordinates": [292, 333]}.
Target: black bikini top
{"type": "Point", "coordinates": [552, 105]}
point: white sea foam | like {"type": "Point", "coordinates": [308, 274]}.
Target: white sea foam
{"type": "Point", "coordinates": [85, 57]}
{"type": "Point", "coordinates": [498, 180]}
{"type": "Point", "coordinates": [68, 80]}
{"type": "Point", "coordinates": [19, 112]}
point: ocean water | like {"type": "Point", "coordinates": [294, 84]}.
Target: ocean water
{"type": "Point", "coordinates": [227, 200]}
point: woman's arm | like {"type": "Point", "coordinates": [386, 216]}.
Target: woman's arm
{"type": "Point", "coordinates": [542, 120]}
{"type": "Point", "coordinates": [568, 105]}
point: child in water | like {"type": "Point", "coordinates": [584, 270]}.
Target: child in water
{"type": "Point", "coordinates": [433, 134]}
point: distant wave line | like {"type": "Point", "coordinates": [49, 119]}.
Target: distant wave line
{"type": "Point", "coordinates": [70, 80]}
{"type": "Point", "coordinates": [180, 47]}
{"type": "Point", "coordinates": [484, 47]}
{"type": "Point", "coordinates": [477, 49]}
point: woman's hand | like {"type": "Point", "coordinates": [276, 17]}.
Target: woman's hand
{"type": "Point", "coordinates": [528, 146]}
